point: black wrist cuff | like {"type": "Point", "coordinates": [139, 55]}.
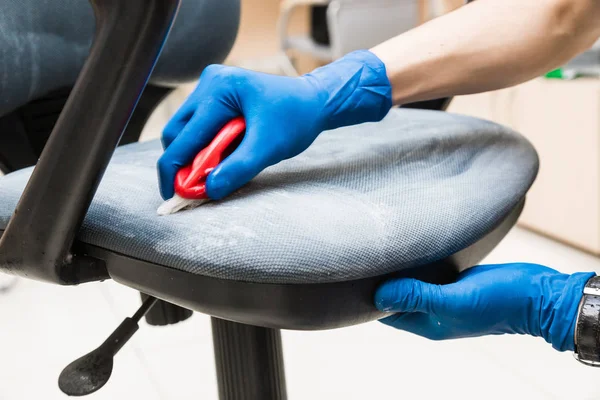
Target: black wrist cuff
{"type": "Point", "coordinates": [587, 329]}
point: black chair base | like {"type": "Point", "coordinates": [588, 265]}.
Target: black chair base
{"type": "Point", "coordinates": [249, 362]}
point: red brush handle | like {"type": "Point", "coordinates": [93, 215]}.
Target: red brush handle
{"type": "Point", "coordinates": [190, 181]}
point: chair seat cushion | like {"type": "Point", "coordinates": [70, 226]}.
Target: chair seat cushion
{"type": "Point", "coordinates": [362, 201]}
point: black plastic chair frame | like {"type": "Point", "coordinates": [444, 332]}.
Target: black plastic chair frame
{"type": "Point", "coordinates": [38, 239]}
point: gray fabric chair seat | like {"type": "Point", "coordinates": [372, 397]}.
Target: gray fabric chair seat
{"type": "Point", "coordinates": [362, 201]}
{"type": "Point", "coordinates": [44, 43]}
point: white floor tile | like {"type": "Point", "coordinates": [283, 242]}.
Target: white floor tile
{"type": "Point", "coordinates": [375, 361]}
{"type": "Point", "coordinates": [184, 369]}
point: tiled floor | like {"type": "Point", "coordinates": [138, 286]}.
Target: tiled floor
{"type": "Point", "coordinates": [45, 327]}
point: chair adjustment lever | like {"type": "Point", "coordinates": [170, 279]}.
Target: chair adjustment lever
{"type": "Point", "coordinates": [89, 373]}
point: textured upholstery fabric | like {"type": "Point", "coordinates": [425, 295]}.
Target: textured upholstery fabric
{"type": "Point", "coordinates": [362, 201]}
{"type": "Point", "coordinates": [44, 43]}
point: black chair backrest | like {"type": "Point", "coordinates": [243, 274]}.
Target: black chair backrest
{"type": "Point", "coordinates": [44, 44]}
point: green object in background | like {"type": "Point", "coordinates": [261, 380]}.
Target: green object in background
{"type": "Point", "coordinates": [585, 65]}
{"type": "Point", "coordinates": [556, 74]}
{"type": "Point", "coordinates": [565, 74]}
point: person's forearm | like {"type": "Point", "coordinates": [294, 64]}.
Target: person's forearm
{"type": "Point", "coordinates": [487, 45]}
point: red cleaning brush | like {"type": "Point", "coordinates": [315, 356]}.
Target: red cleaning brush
{"type": "Point", "coordinates": [190, 181]}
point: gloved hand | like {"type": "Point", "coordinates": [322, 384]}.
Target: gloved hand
{"type": "Point", "coordinates": [283, 115]}
{"type": "Point", "coordinates": [488, 300]}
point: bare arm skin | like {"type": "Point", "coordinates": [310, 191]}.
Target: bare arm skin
{"type": "Point", "coordinates": [487, 45]}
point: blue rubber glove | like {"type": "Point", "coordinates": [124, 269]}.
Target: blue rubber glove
{"type": "Point", "coordinates": [489, 300]}
{"type": "Point", "coordinates": [283, 115]}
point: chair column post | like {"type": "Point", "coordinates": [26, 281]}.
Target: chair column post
{"type": "Point", "coordinates": [249, 361]}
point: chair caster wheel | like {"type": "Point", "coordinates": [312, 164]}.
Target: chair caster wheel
{"type": "Point", "coordinates": [164, 313]}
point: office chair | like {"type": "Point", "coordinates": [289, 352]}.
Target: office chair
{"type": "Point", "coordinates": [347, 25]}
{"type": "Point", "coordinates": [424, 194]}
